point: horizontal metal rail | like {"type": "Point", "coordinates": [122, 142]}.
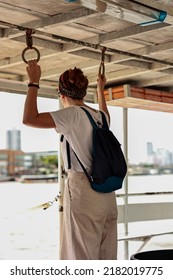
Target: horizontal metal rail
{"type": "Point", "coordinates": [146, 193]}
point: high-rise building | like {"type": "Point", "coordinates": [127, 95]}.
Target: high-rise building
{"type": "Point", "coordinates": [149, 148]}
{"type": "Point", "coordinates": [150, 153]}
{"type": "Point", "coordinates": [13, 140]}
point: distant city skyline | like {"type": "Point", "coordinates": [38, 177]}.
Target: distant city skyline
{"type": "Point", "coordinates": [155, 155]}
{"type": "Point", "coordinates": [159, 156]}
{"type": "Point", "coordinates": [144, 126]}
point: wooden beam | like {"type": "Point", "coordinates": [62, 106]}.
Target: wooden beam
{"type": "Point", "coordinates": [21, 88]}
{"type": "Point", "coordinates": [151, 49]}
{"type": "Point", "coordinates": [167, 71]}
{"type": "Point", "coordinates": [21, 9]}
{"type": "Point", "coordinates": [84, 65]}
{"type": "Point", "coordinates": [16, 60]}
{"type": "Point", "coordinates": [91, 54]}
{"type": "Point", "coordinates": [60, 18]}
{"type": "Point", "coordinates": [10, 62]}
{"type": "Point", "coordinates": [143, 11]}
{"type": "Point", "coordinates": [85, 27]}
{"type": "Point", "coordinates": [161, 5]}
{"type": "Point", "coordinates": [45, 21]}
{"type": "Point", "coordinates": [48, 44]}
{"type": "Point", "coordinates": [120, 74]}
{"type": "Point", "coordinates": [139, 67]}
{"type": "Point", "coordinates": [156, 81]}
{"type": "Point", "coordinates": [12, 86]}
{"type": "Point", "coordinates": [91, 42]}
{"type": "Point", "coordinates": [137, 64]}
{"type": "Point", "coordinates": [130, 31]}
{"type": "Point", "coordinates": [134, 68]}
{"type": "Point", "coordinates": [132, 12]}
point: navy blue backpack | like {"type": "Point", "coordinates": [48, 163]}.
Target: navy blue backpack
{"type": "Point", "coordinates": [109, 166]}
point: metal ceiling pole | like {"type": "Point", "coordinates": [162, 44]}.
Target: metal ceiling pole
{"type": "Point", "coordinates": [61, 183]}
{"type": "Point", "coordinates": [125, 141]}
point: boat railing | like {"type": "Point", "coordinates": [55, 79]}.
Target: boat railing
{"type": "Point", "coordinates": [158, 208]}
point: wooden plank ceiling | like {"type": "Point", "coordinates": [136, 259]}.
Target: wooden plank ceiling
{"type": "Point", "coordinates": [71, 34]}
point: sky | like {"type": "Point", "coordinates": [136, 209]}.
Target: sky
{"type": "Point", "coordinates": [143, 126]}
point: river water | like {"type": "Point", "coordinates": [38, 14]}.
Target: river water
{"type": "Point", "coordinates": [29, 232]}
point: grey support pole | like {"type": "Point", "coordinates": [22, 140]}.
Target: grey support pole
{"type": "Point", "coordinates": [61, 182]}
{"type": "Point", "coordinates": [125, 135]}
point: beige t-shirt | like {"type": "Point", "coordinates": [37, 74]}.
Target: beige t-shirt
{"type": "Point", "coordinates": [74, 124]}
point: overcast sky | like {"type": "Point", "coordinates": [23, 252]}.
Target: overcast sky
{"type": "Point", "coordinates": [144, 126]}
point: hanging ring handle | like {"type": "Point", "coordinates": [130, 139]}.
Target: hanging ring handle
{"type": "Point", "coordinates": [102, 65]}
{"type": "Point", "coordinates": [29, 43]}
{"type": "Point", "coordinates": [26, 49]}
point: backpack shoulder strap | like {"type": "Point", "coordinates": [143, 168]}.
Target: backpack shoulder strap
{"type": "Point", "coordinates": [67, 151]}
{"type": "Point", "coordinates": [89, 117]}
{"type": "Point", "coordinates": [104, 121]}
{"type": "Point", "coordinates": [69, 157]}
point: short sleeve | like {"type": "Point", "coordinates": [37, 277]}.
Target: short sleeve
{"type": "Point", "coordinates": [64, 119]}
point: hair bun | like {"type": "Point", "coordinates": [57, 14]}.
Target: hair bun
{"type": "Point", "coordinates": [77, 78]}
{"type": "Point", "coordinates": [73, 83]}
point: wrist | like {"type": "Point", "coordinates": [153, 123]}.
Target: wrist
{"type": "Point", "coordinates": [100, 90]}
{"type": "Point", "coordinates": [34, 82]}
{"type": "Point", "coordinates": [36, 85]}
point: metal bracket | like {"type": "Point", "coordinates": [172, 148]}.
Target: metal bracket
{"type": "Point", "coordinates": [29, 42]}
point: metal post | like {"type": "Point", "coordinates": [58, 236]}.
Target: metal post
{"type": "Point", "coordinates": [125, 135]}
{"type": "Point", "coordinates": [61, 182]}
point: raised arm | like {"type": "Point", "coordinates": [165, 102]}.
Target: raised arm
{"type": "Point", "coordinates": [31, 116]}
{"type": "Point", "coordinates": [101, 81]}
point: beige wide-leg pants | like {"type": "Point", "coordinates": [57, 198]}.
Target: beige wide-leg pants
{"type": "Point", "coordinates": [89, 229]}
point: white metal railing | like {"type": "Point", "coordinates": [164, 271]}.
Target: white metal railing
{"type": "Point", "coordinates": [144, 212]}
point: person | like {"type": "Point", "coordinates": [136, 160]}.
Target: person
{"type": "Point", "coordinates": [89, 227]}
